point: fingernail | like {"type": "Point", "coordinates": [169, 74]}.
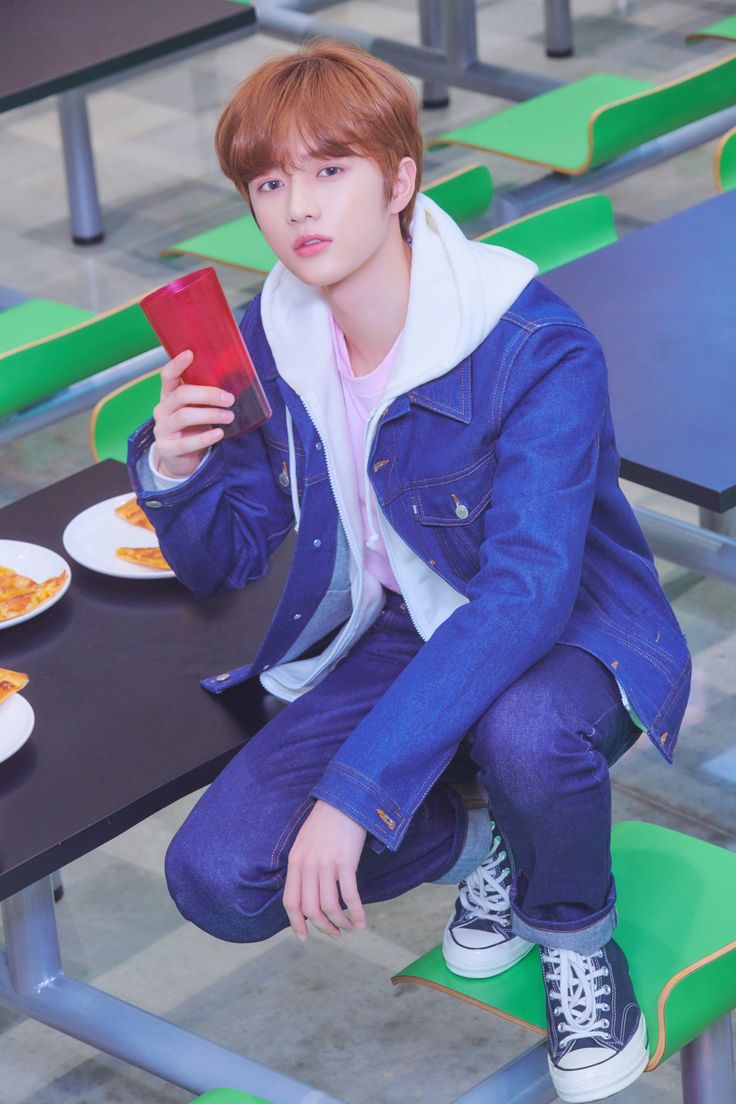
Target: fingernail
{"type": "Point", "coordinates": [227, 398]}
{"type": "Point", "coordinates": [301, 938]}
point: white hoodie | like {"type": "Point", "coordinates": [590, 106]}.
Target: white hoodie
{"type": "Point", "coordinates": [459, 291]}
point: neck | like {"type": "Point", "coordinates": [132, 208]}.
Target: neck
{"type": "Point", "coordinates": [370, 306]}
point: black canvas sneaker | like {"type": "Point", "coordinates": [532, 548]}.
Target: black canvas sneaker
{"type": "Point", "coordinates": [478, 942]}
{"type": "Point", "coordinates": [597, 1035]}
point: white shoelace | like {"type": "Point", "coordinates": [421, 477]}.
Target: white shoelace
{"type": "Point", "coordinates": [484, 890]}
{"type": "Point", "coordinates": [580, 1006]}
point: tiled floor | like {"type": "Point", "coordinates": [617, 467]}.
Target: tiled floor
{"type": "Point", "coordinates": [324, 1013]}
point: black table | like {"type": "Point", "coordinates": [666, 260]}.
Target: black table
{"type": "Point", "coordinates": [49, 48]}
{"type": "Point", "coordinates": [122, 729]}
{"type": "Point", "coordinates": [661, 301]}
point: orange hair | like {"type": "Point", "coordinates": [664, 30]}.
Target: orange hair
{"type": "Point", "coordinates": [334, 99]}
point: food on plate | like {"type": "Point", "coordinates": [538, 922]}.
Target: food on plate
{"type": "Point", "coordinates": [144, 557]}
{"type": "Point", "coordinates": [131, 511]}
{"type": "Point", "coordinates": [11, 682]}
{"type": "Point", "coordinates": [12, 583]}
{"type": "Point", "coordinates": [18, 604]}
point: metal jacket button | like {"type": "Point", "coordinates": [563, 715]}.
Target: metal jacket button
{"type": "Point", "coordinates": [317, 542]}
{"type": "Point", "coordinates": [222, 678]}
{"type": "Point", "coordinates": [461, 511]}
{"type": "Point", "coordinates": [153, 504]}
{"type": "Point", "coordinates": [284, 475]}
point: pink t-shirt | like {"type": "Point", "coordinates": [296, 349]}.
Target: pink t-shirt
{"type": "Point", "coordinates": [362, 395]}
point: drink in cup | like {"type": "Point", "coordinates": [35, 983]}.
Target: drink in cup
{"type": "Point", "coordinates": [193, 313]}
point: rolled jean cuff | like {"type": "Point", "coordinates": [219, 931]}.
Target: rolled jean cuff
{"type": "Point", "coordinates": [584, 941]}
{"type": "Point", "coordinates": [478, 839]}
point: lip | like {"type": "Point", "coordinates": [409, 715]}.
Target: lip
{"type": "Point", "coordinates": [318, 244]}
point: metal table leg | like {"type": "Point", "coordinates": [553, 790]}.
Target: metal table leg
{"type": "Point", "coordinates": [558, 28]}
{"type": "Point", "coordinates": [32, 982]}
{"type": "Point", "coordinates": [724, 523]}
{"type": "Point", "coordinates": [432, 30]}
{"type": "Point", "coordinates": [707, 1066]}
{"type": "Point", "coordinates": [690, 546]}
{"type": "Point", "coordinates": [84, 205]}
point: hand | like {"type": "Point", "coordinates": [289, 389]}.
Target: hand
{"type": "Point", "coordinates": [326, 852]}
{"type": "Point", "coordinates": [187, 419]}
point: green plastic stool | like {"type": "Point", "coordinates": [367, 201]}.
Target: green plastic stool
{"type": "Point", "coordinates": [724, 29]}
{"type": "Point", "coordinates": [725, 162]}
{"type": "Point", "coordinates": [560, 233]}
{"type": "Point", "coordinates": [229, 1096]}
{"type": "Point", "coordinates": [591, 121]}
{"type": "Point", "coordinates": [239, 243]}
{"type": "Point", "coordinates": [677, 924]}
{"type": "Point", "coordinates": [46, 347]}
{"type": "Point", "coordinates": [119, 413]}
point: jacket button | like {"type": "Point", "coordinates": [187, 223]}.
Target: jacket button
{"type": "Point", "coordinates": [222, 678]}
{"type": "Point", "coordinates": [317, 542]}
{"type": "Point", "coordinates": [318, 446]}
{"type": "Point", "coordinates": [461, 511]}
{"type": "Point", "coordinates": [153, 504]}
{"type": "Point", "coordinates": [297, 616]}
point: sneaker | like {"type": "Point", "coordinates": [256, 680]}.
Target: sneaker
{"type": "Point", "coordinates": [478, 942]}
{"type": "Point", "coordinates": [597, 1034]}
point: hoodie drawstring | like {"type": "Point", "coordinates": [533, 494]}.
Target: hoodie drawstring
{"type": "Point", "coordinates": [292, 470]}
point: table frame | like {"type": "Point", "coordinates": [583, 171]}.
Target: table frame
{"type": "Point", "coordinates": [33, 983]}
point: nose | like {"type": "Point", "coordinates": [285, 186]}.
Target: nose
{"type": "Point", "coordinates": [303, 203]}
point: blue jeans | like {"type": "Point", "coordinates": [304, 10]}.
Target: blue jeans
{"type": "Point", "coordinates": [541, 751]}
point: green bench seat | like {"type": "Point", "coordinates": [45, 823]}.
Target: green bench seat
{"type": "Point", "coordinates": [724, 29]}
{"type": "Point", "coordinates": [46, 347]}
{"type": "Point", "coordinates": [239, 243]}
{"type": "Point", "coordinates": [677, 924]}
{"type": "Point", "coordinates": [725, 162]}
{"type": "Point", "coordinates": [229, 1096]}
{"type": "Point", "coordinates": [592, 121]}
{"type": "Point", "coordinates": [560, 233]}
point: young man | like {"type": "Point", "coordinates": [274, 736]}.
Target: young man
{"type": "Point", "coordinates": [470, 590]}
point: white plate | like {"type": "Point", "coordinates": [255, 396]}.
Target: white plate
{"type": "Point", "coordinates": [16, 725]}
{"type": "Point", "coordinates": [39, 564]}
{"type": "Point", "coordinates": [92, 537]}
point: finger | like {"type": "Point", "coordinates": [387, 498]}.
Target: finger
{"type": "Point", "coordinates": [293, 902]}
{"type": "Point", "coordinates": [172, 370]}
{"type": "Point", "coordinates": [188, 416]}
{"type": "Point", "coordinates": [312, 905]}
{"type": "Point", "coordinates": [331, 903]}
{"type": "Point", "coordinates": [194, 394]}
{"type": "Point", "coordinates": [351, 896]}
{"type": "Point", "coordinates": [170, 447]}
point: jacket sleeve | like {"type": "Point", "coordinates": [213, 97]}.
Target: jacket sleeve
{"type": "Point", "coordinates": [219, 527]}
{"type": "Point", "coordinates": [519, 600]}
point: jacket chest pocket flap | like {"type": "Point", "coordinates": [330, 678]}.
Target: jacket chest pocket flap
{"type": "Point", "coordinates": [452, 508]}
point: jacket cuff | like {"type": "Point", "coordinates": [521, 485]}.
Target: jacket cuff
{"type": "Point", "coordinates": [142, 474]}
{"type": "Point", "coordinates": [359, 798]}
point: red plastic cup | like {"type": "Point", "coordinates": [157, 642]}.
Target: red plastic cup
{"type": "Point", "coordinates": [193, 313]}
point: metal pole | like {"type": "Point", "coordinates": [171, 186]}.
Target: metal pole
{"type": "Point", "coordinates": [689, 545]}
{"type": "Point", "coordinates": [435, 94]}
{"type": "Point", "coordinates": [33, 983]}
{"type": "Point", "coordinates": [724, 523]}
{"type": "Point", "coordinates": [525, 1080]}
{"type": "Point", "coordinates": [558, 28]}
{"type": "Point", "coordinates": [707, 1066]}
{"type": "Point", "coordinates": [79, 163]}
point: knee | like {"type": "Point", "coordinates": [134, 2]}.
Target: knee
{"type": "Point", "coordinates": [210, 888]}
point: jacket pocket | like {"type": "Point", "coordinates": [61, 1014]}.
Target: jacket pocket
{"type": "Point", "coordinates": [451, 510]}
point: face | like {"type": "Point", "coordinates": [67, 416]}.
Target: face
{"type": "Point", "coordinates": [328, 218]}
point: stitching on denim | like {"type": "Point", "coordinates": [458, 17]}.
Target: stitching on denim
{"type": "Point", "coordinates": [634, 643]}
{"type": "Point", "coordinates": [432, 481]}
{"type": "Point", "coordinates": [367, 783]}
{"type": "Point", "coordinates": [673, 692]}
{"type": "Point", "coordinates": [644, 641]}
{"type": "Point", "coordinates": [435, 404]}
{"type": "Point", "coordinates": [364, 819]}
{"type": "Point", "coordinates": [454, 523]}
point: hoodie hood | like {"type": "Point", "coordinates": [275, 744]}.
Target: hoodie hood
{"type": "Point", "coordinates": [459, 291]}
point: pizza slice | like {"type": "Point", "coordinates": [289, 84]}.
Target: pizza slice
{"type": "Point", "coordinates": [12, 583]}
{"type": "Point", "coordinates": [10, 683]}
{"type": "Point", "coordinates": [24, 603]}
{"type": "Point", "coordinates": [144, 557]}
{"type": "Point", "coordinates": [131, 511]}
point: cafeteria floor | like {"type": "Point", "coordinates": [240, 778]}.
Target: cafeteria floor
{"type": "Point", "coordinates": [325, 1012]}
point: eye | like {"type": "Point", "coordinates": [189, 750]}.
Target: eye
{"type": "Point", "coordinates": [331, 170]}
{"type": "Point", "coordinates": [268, 186]}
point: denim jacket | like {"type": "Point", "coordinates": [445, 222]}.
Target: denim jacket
{"type": "Point", "coordinates": [499, 479]}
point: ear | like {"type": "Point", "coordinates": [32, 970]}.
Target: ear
{"type": "Point", "coordinates": [404, 185]}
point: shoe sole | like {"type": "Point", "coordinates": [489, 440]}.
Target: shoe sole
{"type": "Point", "coordinates": [463, 965]}
{"type": "Point", "coordinates": [581, 1086]}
